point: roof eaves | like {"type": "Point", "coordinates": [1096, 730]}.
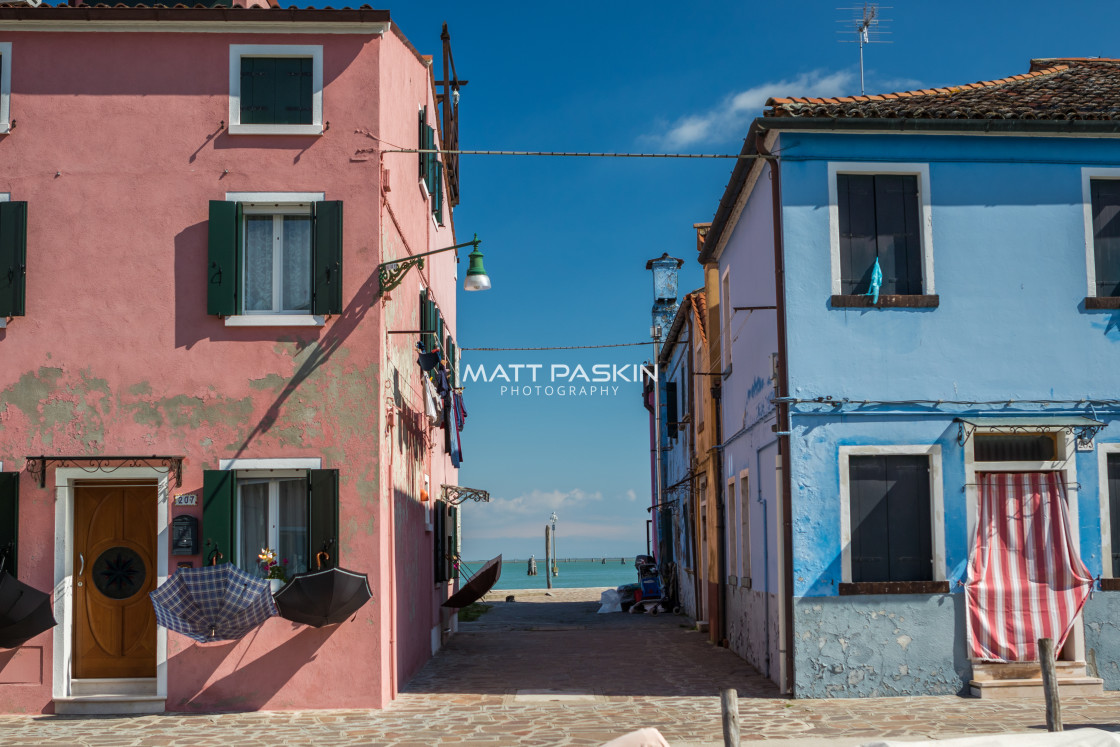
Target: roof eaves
{"type": "Point", "coordinates": [731, 193]}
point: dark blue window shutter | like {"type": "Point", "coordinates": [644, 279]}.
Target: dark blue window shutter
{"type": "Point", "coordinates": [13, 258]}
{"type": "Point", "coordinates": [439, 539]}
{"type": "Point", "coordinates": [1106, 235]}
{"type": "Point", "coordinates": [1114, 511]}
{"type": "Point", "coordinates": [897, 232]}
{"type": "Point", "coordinates": [9, 521]}
{"type": "Point", "coordinates": [323, 517]}
{"type": "Point", "coordinates": [671, 415]}
{"type": "Point", "coordinates": [223, 275]}
{"type": "Point", "coordinates": [890, 518]}
{"type": "Point", "coordinates": [218, 490]}
{"type": "Point", "coordinates": [326, 252]}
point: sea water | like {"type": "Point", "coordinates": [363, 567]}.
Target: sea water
{"type": "Point", "coordinates": [574, 574]}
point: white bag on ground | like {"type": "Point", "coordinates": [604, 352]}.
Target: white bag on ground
{"type": "Point", "coordinates": [648, 737]}
{"type": "Point", "coordinates": [610, 601]}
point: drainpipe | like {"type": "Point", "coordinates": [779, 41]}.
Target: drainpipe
{"type": "Point", "coordinates": [783, 419]}
{"type": "Point", "coordinates": [721, 533]}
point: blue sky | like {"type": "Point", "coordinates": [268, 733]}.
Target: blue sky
{"type": "Point", "coordinates": [566, 240]}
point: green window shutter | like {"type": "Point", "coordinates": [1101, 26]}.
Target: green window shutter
{"type": "Point", "coordinates": [223, 277]}
{"type": "Point", "coordinates": [13, 258]}
{"type": "Point", "coordinates": [437, 204]}
{"type": "Point", "coordinates": [430, 174]}
{"type": "Point", "coordinates": [326, 253]}
{"type": "Point", "coordinates": [428, 322]}
{"type": "Point", "coordinates": [454, 532]}
{"type": "Point", "coordinates": [421, 139]}
{"type": "Point", "coordinates": [449, 351]}
{"type": "Point", "coordinates": [276, 90]}
{"type": "Point", "coordinates": [9, 520]}
{"type": "Point", "coordinates": [323, 516]}
{"type": "Point", "coordinates": [439, 537]}
{"type": "Point", "coordinates": [218, 490]}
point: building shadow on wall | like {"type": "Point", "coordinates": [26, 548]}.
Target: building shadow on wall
{"type": "Point", "coordinates": [248, 687]}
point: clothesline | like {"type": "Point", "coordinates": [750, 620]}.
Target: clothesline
{"type": "Point", "coordinates": [563, 347]}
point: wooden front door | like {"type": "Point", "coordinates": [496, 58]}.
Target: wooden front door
{"type": "Point", "coordinates": [114, 569]}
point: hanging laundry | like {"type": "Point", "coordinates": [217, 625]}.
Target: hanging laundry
{"type": "Point", "coordinates": [433, 406]}
{"type": "Point", "coordinates": [428, 361]}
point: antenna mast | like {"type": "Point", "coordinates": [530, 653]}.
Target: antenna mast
{"type": "Point", "coordinates": [867, 23]}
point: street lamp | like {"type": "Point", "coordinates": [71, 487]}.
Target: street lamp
{"type": "Point", "coordinates": [391, 273]}
{"type": "Point", "coordinates": [555, 562]}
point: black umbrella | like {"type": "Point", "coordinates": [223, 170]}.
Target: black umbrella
{"type": "Point", "coordinates": [321, 598]}
{"type": "Point", "coordinates": [478, 585]}
{"type": "Point", "coordinates": [24, 612]}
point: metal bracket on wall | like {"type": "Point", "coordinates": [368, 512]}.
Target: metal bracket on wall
{"type": "Point", "coordinates": [456, 494]}
{"type": "Point", "coordinates": [37, 465]}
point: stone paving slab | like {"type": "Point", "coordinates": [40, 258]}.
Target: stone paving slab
{"type": "Point", "coordinates": [641, 670]}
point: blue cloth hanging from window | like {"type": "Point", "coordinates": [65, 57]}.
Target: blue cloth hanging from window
{"type": "Point", "coordinates": [876, 282]}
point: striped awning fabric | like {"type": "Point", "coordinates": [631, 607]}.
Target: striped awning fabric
{"type": "Point", "coordinates": [1025, 579]}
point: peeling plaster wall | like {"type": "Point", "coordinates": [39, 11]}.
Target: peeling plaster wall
{"type": "Point", "coordinates": [1102, 635]}
{"type": "Point", "coordinates": [872, 646]}
{"type": "Point", "coordinates": [117, 355]}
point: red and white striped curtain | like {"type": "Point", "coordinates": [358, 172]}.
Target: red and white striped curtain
{"type": "Point", "coordinates": [1025, 580]}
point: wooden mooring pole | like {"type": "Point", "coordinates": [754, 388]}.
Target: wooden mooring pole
{"type": "Point", "coordinates": [729, 704]}
{"type": "Point", "coordinates": [547, 557]}
{"type": "Point", "coordinates": [1050, 684]}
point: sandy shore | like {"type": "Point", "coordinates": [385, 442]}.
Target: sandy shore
{"type": "Point", "coordinates": [547, 595]}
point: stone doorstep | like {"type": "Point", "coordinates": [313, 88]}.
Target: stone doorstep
{"type": "Point", "coordinates": [113, 686]}
{"type": "Point", "coordinates": [1004, 689]}
{"type": "Point", "coordinates": [1029, 670]}
{"type": "Point", "coordinates": [109, 705]}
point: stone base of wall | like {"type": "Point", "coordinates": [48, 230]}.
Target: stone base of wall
{"type": "Point", "coordinates": [747, 626]}
{"type": "Point", "coordinates": [1102, 635]}
{"type": "Point", "coordinates": [873, 646]}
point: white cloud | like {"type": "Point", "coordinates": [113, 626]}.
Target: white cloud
{"type": "Point", "coordinates": [631, 496]}
{"type": "Point", "coordinates": [525, 516]}
{"type": "Point", "coordinates": [729, 120]}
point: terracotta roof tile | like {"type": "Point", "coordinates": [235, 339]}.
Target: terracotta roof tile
{"type": "Point", "coordinates": [1073, 88]}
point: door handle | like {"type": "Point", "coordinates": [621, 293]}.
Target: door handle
{"type": "Point", "coordinates": [82, 567]}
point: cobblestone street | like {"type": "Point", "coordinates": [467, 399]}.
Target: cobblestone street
{"type": "Point", "coordinates": [549, 671]}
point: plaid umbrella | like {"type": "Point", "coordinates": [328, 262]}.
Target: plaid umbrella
{"type": "Point", "coordinates": [213, 603]}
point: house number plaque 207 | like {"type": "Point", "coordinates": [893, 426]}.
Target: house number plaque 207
{"type": "Point", "coordinates": [186, 500]}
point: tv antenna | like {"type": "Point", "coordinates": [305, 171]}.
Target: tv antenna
{"type": "Point", "coordinates": [867, 22]}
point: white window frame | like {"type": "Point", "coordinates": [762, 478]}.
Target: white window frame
{"type": "Point", "coordinates": [921, 170]}
{"type": "Point", "coordinates": [269, 202]}
{"type": "Point", "coordinates": [731, 520]}
{"type": "Point", "coordinates": [745, 579]}
{"type": "Point", "coordinates": [936, 501]}
{"type": "Point", "coordinates": [1103, 450]}
{"type": "Point", "coordinates": [6, 88]}
{"type": "Point", "coordinates": [725, 316]}
{"type": "Point", "coordinates": [272, 478]}
{"type": "Point", "coordinates": [1088, 175]}
{"type": "Point", "coordinates": [237, 51]}
{"type": "Point", "coordinates": [1065, 465]}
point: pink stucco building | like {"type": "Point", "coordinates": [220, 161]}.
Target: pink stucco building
{"type": "Point", "coordinates": [193, 206]}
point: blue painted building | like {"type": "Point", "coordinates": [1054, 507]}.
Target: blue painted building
{"type": "Point", "coordinates": [916, 291]}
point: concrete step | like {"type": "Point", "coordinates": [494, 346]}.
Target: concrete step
{"type": "Point", "coordinates": [114, 686]}
{"type": "Point", "coordinates": [1005, 689]}
{"type": "Point", "coordinates": [104, 705]}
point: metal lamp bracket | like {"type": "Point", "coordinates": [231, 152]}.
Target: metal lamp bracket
{"type": "Point", "coordinates": [456, 494]}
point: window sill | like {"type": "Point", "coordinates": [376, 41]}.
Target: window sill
{"type": "Point", "coordinates": [886, 302]}
{"type": "Point", "coordinates": [894, 587]}
{"type": "Point", "coordinates": [276, 320]}
{"type": "Point", "coordinates": [275, 129]}
{"type": "Point", "coordinates": [1110, 584]}
{"type": "Point", "coordinates": [1102, 302]}
{"type": "Point", "coordinates": [5, 128]}
{"type": "Point", "coordinates": [3, 323]}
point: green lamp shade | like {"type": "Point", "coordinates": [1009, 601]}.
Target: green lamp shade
{"type": "Point", "coordinates": [477, 279]}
